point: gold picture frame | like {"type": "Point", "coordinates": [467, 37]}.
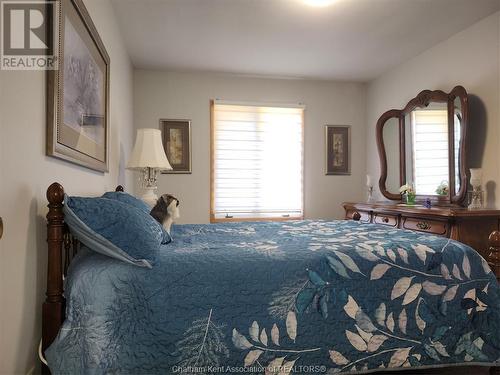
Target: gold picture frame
{"type": "Point", "coordinates": [176, 136]}
{"type": "Point", "coordinates": [338, 149]}
{"type": "Point", "coordinates": [78, 93]}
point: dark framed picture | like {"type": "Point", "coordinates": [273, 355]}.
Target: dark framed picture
{"type": "Point", "coordinates": [176, 136]}
{"type": "Point", "coordinates": [78, 93]}
{"type": "Point", "coordinates": [338, 150]}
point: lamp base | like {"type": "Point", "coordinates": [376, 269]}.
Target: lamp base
{"type": "Point", "coordinates": [476, 198]}
{"type": "Point", "coordinates": [149, 196]}
{"type": "Point", "coordinates": [369, 198]}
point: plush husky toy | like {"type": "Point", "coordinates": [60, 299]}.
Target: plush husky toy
{"type": "Point", "coordinates": [166, 210]}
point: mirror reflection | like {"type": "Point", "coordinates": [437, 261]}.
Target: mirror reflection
{"type": "Point", "coordinates": [427, 149]}
{"type": "Point", "coordinates": [391, 142]}
{"type": "Point", "coordinates": [457, 121]}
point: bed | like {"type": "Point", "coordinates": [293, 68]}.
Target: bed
{"type": "Point", "coordinates": [275, 298]}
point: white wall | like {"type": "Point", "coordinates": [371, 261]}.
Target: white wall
{"type": "Point", "coordinates": [26, 173]}
{"type": "Point", "coordinates": [469, 58]}
{"type": "Point", "coordinates": [187, 96]}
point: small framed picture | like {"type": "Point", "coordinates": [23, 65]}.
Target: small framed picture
{"type": "Point", "coordinates": [176, 135]}
{"type": "Point", "coordinates": [338, 150]}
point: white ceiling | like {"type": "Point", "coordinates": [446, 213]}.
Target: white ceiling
{"type": "Point", "coordinates": [347, 40]}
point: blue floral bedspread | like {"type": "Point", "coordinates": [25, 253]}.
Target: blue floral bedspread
{"type": "Point", "coordinates": [279, 298]}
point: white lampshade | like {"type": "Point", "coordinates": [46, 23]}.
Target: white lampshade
{"type": "Point", "coordinates": [369, 182]}
{"type": "Point", "coordinates": [148, 151]}
{"type": "Point", "coordinates": [476, 175]}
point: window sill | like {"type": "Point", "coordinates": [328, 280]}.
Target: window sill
{"type": "Point", "coordinates": [236, 219]}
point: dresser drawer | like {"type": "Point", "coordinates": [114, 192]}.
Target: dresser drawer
{"type": "Point", "coordinates": [385, 220]}
{"type": "Point", "coordinates": [425, 225]}
{"type": "Point", "coordinates": [351, 214]}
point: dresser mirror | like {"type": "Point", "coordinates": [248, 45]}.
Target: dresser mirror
{"type": "Point", "coordinates": [423, 145]}
{"type": "Point", "coordinates": [390, 134]}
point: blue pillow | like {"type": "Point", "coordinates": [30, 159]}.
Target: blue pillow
{"type": "Point", "coordinates": [115, 229]}
{"type": "Point", "coordinates": [137, 203]}
{"type": "Point", "coordinates": [129, 199]}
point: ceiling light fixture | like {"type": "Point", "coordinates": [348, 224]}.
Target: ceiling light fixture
{"type": "Point", "coordinates": [319, 3]}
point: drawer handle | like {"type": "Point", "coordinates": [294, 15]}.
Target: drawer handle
{"type": "Point", "coordinates": [385, 219]}
{"type": "Point", "coordinates": [356, 216]}
{"type": "Point", "coordinates": [423, 225]}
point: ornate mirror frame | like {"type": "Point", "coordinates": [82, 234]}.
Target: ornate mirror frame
{"type": "Point", "coordinates": [423, 99]}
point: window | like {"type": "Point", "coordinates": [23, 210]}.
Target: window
{"type": "Point", "coordinates": [430, 145]}
{"type": "Point", "coordinates": [256, 165]}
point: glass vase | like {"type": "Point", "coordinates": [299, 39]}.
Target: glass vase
{"type": "Point", "coordinates": [409, 199]}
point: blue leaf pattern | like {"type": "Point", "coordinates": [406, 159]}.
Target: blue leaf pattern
{"type": "Point", "coordinates": [347, 296]}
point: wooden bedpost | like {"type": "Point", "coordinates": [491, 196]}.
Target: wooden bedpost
{"type": "Point", "coordinates": [494, 253]}
{"type": "Point", "coordinates": [53, 307]}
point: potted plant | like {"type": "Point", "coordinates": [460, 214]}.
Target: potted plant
{"type": "Point", "coordinates": [442, 189]}
{"type": "Point", "coordinates": [408, 193]}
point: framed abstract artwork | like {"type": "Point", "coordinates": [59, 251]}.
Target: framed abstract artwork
{"type": "Point", "coordinates": [176, 136]}
{"type": "Point", "coordinates": [78, 93]}
{"type": "Point", "coordinates": [338, 150]}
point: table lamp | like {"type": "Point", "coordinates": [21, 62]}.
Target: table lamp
{"type": "Point", "coordinates": [148, 156]}
{"type": "Point", "coordinates": [476, 195]}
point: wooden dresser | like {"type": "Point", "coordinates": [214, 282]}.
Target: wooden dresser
{"type": "Point", "coordinates": [471, 227]}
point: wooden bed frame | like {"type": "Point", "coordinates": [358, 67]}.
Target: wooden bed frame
{"type": "Point", "coordinates": [62, 248]}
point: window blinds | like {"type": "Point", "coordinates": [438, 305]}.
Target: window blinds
{"type": "Point", "coordinates": [430, 145]}
{"type": "Point", "coordinates": [257, 154]}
